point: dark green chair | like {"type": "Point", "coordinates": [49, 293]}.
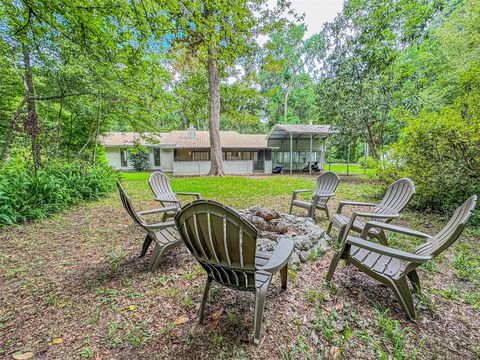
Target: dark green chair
{"type": "Point", "coordinates": [393, 267]}
{"type": "Point", "coordinates": [163, 234]}
{"type": "Point", "coordinates": [396, 198]}
{"type": "Point", "coordinates": [225, 245]}
{"type": "Point", "coordinates": [326, 185]}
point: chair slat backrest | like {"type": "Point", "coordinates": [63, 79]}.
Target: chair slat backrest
{"type": "Point", "coordinates": [221, 240]}
{"type": "Point", "coordinates": [450, 232]}
{"type": "Point", "coordinates": [127, 204]}
{"type": "Point", "coordinates": [326, 184]}
{"type": "Point", "coordinates": [160, 185]}
{"type": "Point", "coordinates": [397, 197]}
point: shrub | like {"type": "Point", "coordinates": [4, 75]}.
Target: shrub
{"type": "Point", "coordinates": [440, 153]}
{"type": "Point", "coordinates": [139, 156]}
{"type": "Point", "coordinates": [28, 194]}
{"type": "Point", "coordinates": [370, 163]}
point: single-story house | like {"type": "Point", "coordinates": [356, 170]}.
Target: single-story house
{"type": "Point", "coordinates": [188, 152]}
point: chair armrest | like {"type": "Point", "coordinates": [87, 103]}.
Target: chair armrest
{"type": "Point", "coordinates": [196, 195]}
{"type": "Point", "coordinates": [375, 215]}
{"type": "Point", "coordinates": [395, 228]}
{"type": "Point", "coordinates": [352, 203]}
{"type": "Point", "coordinates": [162, 225]}
{"type": "Point", "coordinates": [296, 192]}
{"type": "Point", "coordinates": [325, 195]}
{"type": "Point", "coordinates": [280, 256]}
{"type": "Point", "coordinates": [385, 250]}
{"type": "Point", "coordinates": [156, 211]}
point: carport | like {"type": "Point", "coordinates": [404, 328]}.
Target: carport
{"type": "Point", "coordinates": [296, 145]}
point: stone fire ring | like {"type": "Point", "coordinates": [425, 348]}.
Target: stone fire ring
{"type": "Point", "coordinates": [310, 240]}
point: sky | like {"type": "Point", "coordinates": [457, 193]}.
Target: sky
{"type": "Point", "coordinates": [316, 12]}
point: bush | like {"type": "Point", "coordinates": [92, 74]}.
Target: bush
{"type": "Point", "coordinates": [440, 153]}
{"type": "Point", "coordinates": [139, 156]}
{"type": "Point", "coordinates": [370, 163]}
{"type": "Point", "coordinates": [26, 194]}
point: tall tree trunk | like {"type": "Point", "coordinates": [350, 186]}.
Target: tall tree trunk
{"type": "Point", "coordinates": [31, 120]}
{"type": "Point", "coordinates": [97, 130]}
{"type": "Point", "coordinates": [285, 104]}
{"type": "Point", "coordinates": [11, 130]}
{"type": "Point", "coordinates": [216, 167]}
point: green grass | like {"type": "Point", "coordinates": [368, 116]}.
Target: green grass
{"type": "Point", "coordinates": [244, 191]}
{"type": "Point", "coordinates": [355, 169]}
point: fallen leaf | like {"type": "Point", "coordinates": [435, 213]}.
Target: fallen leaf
{"type": "Point", "coordinates": [339, 306]}
{"type": "Point", "coordinates": [57, 341]}
{"type": "Point", "coordinates": [24, 356]}
{"type": "Point", "coordinates": [181, 320]}
{"type": "Point", "coordinates": [132, 307]}
{"type": "Point", "coordinates": [334, 352]}
{"type": "Point", "coordinates": [216, 315]}
{"type": "Point", "coordinates": [213, 325]}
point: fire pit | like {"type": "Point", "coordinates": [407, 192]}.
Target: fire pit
{"type": "Point", "coordinates": [309, 239]}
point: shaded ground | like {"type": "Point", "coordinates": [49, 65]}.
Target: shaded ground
{"type": "Point", "coordinates": [73, 287]}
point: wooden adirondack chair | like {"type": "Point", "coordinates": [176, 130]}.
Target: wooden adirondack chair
{"type": "Point", "coordinates": [393, 267]}
{"type": "Point", "coordinates": [164, 234]}
{"type": "Point", "coordinates": [224, 244]}
{"type": "Point", "coordinates": [160, 185]}
{"type": "Point", "coordinates": [326, 185]}
{"type": "Point", "coordinates": [396, 198]}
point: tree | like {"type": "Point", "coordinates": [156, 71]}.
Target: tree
{"type": "Point", "coordinates": [358, 89]}
{"type": "Point", "coordinates": [288, 58]}
{"type": "Point", "coordinates": [217, 32]}
{"type": "Point", "coordinates": [139, 156]}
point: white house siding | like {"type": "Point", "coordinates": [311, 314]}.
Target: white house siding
{"type": "Point", "coordinates": [203, 167]}
{"type": "Point", "coordinates": [113, 156]}
{"type": "Point", "coordinates": [166, 159]}
{"type": "Point", "coordinates": [268, 166]}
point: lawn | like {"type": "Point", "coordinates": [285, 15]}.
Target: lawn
{"type": "Point", "coordinates": [72, 286]}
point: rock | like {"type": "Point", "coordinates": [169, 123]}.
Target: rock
{"type": "Point", "coordinates": [272, 226]}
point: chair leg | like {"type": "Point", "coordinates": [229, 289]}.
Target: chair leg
{"type": "Point", "coordinates": [413, 276]}
{"type": "Point", "coordinates": [291, 207]}
{"type": "Point", "coordinates": [204, 299]}
{"type": "Point", "coordinates": [283, 276]}
{"type": "Point", "coordinates": [402, 291]}
{"type": "Point", "coordinates": [329, 228]}
{"type": "Point", "coordinates": [327, 212]}
{"type": "Point", "coordinates": [333, 264]}
{"type": "Point", "coordinates": [146, 244]}
{"type": "Point", "coordinates": [157, 256]}
{"type": "Point", "coordinates": [260, 295]}
{"type": "Point", "coordinates": [383, 238]}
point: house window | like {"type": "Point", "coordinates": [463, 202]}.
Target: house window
{"type": "Point", "coordinates": [156, 157]}
{"type": "Point", "coordinates": [123, 157]}
{"type": "Point", "coordinates": [247, 155]}
{"type": "Point", "coordinates": [183, 155]}
{"type": "Point", "coordinates": [233, 155]}
{"type": "Point", "coordinates": [201, 155]}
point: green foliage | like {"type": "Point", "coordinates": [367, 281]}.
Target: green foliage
{"type": "Point", "coordinates": [26, 194]}
{"type": "Point", "coordinates": [139, 156]}
{"type": "Point", "coordinates": [439, 152]}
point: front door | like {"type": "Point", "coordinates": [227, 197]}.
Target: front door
{"type": "Point", "coordinates": [259, 160]}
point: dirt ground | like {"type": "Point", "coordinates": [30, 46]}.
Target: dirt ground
{"type": "Point", "coordinates": [72, 286]}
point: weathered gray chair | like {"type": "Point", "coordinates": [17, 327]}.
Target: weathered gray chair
{"type": "Point", "coordinates": [392, 267]}
{"type": "Point", "coordinates": [224, 244]}
{"type": "Point", "coordinates": [160, 185]}
{"type": "Point", "coordinates": [396, 198]}
{"type": "Point", "coordinates": [326, 185]}
{"type": "Point", "coordinates": [163, 234]}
